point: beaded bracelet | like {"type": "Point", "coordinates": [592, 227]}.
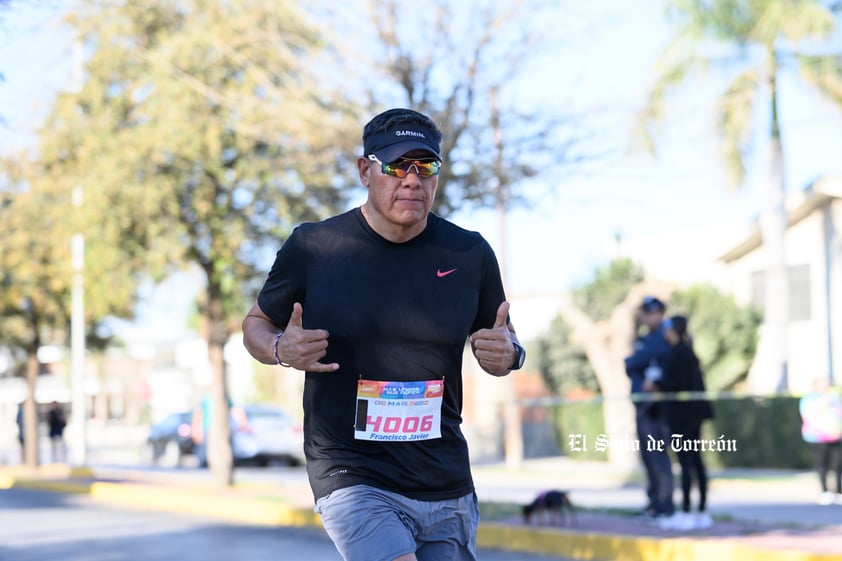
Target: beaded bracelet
{"type": "Point", "coordinates": [275, 351]}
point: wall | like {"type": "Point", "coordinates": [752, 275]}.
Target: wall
{"type": "Point", "coordinates": [834, 308]}
{"type": "Point", "coordinates": [808, 344]}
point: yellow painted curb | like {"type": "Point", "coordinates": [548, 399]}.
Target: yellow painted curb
{"type": "Point", "coordinates": [241, 509]}
{"type": "Point", "coordinates": [55, 485]}
{"type": "Point", "coordinates": [81, 471]}
{"type": "Point", "coordinates": [630, 548]}
{"type": "Point", "coordinates": [43, 484]}
{"type": "Point", "coordinates": [53, 471]}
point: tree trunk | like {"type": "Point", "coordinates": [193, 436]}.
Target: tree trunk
{"type": "Point", "coordinates": [31, 440]}
{"type": "Point", "coordinates": [220, 456]}
{"type": "Point", "coordinates": [769, 373]}
{"type": "Point", "coordinates": [607, 344]}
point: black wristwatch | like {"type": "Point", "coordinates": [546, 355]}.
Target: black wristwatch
{"type": "Point", "coordinates": [520, 356]}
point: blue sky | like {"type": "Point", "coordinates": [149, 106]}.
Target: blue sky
{"type": "Point", "coordinates": [557, 243]}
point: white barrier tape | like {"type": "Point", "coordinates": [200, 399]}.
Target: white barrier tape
{"type": "Point", "coordinates": [643, 397]}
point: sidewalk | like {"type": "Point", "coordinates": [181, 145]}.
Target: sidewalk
{"type": "Point", "coordinates": [759, 514]}
{"type": "Point", "coordinates": [762, 515]}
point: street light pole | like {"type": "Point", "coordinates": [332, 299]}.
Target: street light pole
{"type": "Point", "coordinates": [77, 343]}
{"type": "Point", "coordinates": [512, 421]}
{"type": "Point", "coordinates": [78, 450]}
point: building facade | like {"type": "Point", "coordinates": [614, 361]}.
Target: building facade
{"type": "Point", "coordinates": [813, 245]}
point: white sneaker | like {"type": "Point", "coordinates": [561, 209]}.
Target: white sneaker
{"type": "Point", "coordinates": [827, 498]}
{"type": "Point", "coordinates": [685, 521]}
{"type": "Point", "coordinates": [702, 521]}
{"type": "Point", "coordinates": [680, 521]}
{"type": "Point", "coordinates": [667, 522]}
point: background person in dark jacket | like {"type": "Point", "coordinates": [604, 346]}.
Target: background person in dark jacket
{"type": "Point", "coordinates": [56, 422]}
{"type": "Point", "coordinates": [20, 422]}
{"type": "Point", "coordinates": [682, 373]}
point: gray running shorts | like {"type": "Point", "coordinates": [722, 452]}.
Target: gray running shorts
{"type": "Point", "coordinates": [370, 524]}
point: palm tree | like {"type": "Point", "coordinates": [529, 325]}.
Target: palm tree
{"type": "Point", "coordinates": [761, 40]}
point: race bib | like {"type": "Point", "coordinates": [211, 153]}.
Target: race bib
{"type": "Point", "coordinates": [398, 411]}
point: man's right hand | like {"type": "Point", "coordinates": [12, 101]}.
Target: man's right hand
{"type": "Point", "coordinates": [303, 348]}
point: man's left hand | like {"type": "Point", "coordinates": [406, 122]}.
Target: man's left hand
{"type": "Point", "coordinates": [493, 347]}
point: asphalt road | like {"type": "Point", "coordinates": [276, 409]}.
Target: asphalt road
{"type": "Point", "coordinates": [43, 526]}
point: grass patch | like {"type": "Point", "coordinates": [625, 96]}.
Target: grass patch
{"type": "Point", "coordinates": [499, 511]}
{"type": "Point", "coordinates": [492, 511]}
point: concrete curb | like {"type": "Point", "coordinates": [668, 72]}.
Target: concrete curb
{"type": "Point", "coordinates": [51, 485]}
{"type": "Point", "coordinates": [582, 545]}
{"type": "Point", "coordinates": [239, 509]}
{"type": "Point", "coordinates": [268, 512]}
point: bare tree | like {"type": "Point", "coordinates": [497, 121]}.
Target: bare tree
{"type": "Point", "coordinates": [469, 54]}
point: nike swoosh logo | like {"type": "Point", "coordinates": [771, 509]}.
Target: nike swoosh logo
{"type": "Point", "coordinates": [441, 273]}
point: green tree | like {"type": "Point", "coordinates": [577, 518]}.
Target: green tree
{"type": "Point", "coordinates": [36, 274]}
{"type": "Point", "coordinates": [724, 334]}
{"type": "Point", "coordinates": [597, 324]}
{"type": "Point", "coordinates": [608, 288]}
{"type": "Point", "coordinates": [607, 341]}
{"type": "Point", "coordinates": [204, 134]}
{"type": "Point", "coordinates": [763, 40]}
{"type": "Point", "coordinates": [563, 362]}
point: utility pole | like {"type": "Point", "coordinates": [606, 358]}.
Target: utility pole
{"type": "Point", "coordinates": [78, 448]}
{"type": "Point", "coordinates": [512, 424]}
{"type": "Point", "coordinates": [77, 343]}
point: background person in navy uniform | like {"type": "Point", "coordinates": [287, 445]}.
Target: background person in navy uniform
{"type": "Point", "coordinates": [388, 293]}
{"type": "Point", "coordinates": [648, 357]}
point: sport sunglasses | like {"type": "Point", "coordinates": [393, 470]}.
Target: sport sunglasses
{"type": "Point", "coordinates": [402, 168]}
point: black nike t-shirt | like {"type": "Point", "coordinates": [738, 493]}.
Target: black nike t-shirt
{"type": "Point", "coordinates": [394, 312]}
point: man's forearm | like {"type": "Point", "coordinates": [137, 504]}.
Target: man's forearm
{"type": "Point", "coordinates": [259, 337]}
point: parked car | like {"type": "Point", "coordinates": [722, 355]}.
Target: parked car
{"type": "Point", "coordinates": [270, 435]}
{"type": "Point", "coordinates": [171, 439]}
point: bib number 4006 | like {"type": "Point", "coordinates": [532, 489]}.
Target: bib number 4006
{"type": "Point", "coordinates": [406, 425]}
